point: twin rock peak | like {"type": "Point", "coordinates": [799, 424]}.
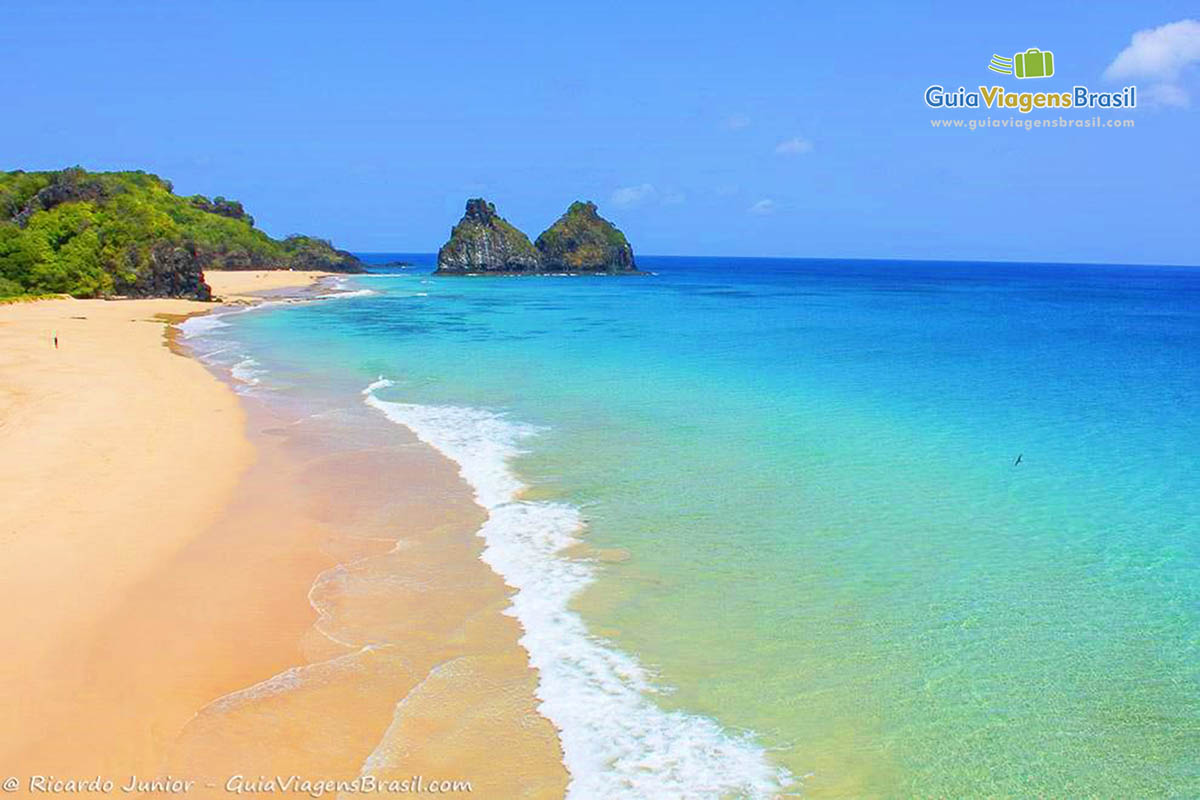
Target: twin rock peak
{"type": "Point", "coordinates": [580, 241]}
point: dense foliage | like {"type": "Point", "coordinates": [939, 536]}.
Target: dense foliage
{"type": "Point", "coordinates": [102, 233]}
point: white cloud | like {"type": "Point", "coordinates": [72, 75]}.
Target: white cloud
{"type": "Point", "coordinates": [1160, 55]}
{"type": "Point", "coordinates": [737, 122]}
{"type": "Point", "coordinates": [1167, 95]}
{"type": "Point", "coordinates": [633, 195]}
{"type": "Point", "coordinates": [762, 207]}
{"type": "Point", "coordinates": [793, 147]}
{"type": "Point", "coordinates": [646, 193]}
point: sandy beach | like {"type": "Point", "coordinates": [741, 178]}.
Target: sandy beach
{"type": "Point", "coordinates": [245, 286]}
{"type": "Point", "coordinates": [207, 587]}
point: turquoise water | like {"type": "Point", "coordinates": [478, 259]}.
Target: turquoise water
{"type": "Point", "coordinates": [810, 466]}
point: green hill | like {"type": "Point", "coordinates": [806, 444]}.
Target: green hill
{"type": "Point", "coordinates": [93, 234]}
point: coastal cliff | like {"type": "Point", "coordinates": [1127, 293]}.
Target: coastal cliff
{"type": "Point", "coordinates": [92, 234]}
{"type": "Point", "coordinates": [483, 241]}
{"type": "Point", "coordinates": [583, 241]}
{"type": "Point", "coordinates": [579, 241]}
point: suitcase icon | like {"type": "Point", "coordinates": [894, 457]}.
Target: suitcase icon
{"type": "Point", "coordinates": [1034, 63]}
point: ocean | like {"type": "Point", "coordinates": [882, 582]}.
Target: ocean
{"type": "Point", "coordinates": [850, 528]}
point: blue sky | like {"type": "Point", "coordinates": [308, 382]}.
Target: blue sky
{"type": "Point", "coordinates": [782, 129]}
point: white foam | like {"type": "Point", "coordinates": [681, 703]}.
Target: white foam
{"type": "Point", "coordinates": [616, 742]}
{"type": "Point", "coordinates": [205, 324]}
{"type": "Point", "coordinates": [380, 383]}
{"type": "Point", "coordinates": [247, 371]}
{"type": "Point", "coordinates": [343, 295]}
{"type": "Point", "coordinates": [201, 325]}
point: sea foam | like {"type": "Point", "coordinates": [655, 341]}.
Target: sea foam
{"type": "Point", "coordinates": [346, 294]}
{"type": "Point", "coordinates": [202, 325]}
{"type": "Point", "coordinates": [247, 371]}
{"type": "Point", "coordinates": [617, 743]}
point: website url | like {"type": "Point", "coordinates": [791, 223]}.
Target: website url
{"type": "Point", "coordinates": [1029, 124]}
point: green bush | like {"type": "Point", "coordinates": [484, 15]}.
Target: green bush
{"type": "Point", "coordinates": [87, 233]}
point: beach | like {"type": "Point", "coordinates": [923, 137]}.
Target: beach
{"type": "Point", "coordinates": [247, 286]}
{"type": "Point", "coordinates": [204, 586]}
{"type": "Point", "coordinates": [548, 538]}
{"type": "Point", "coordinates": [808, 547]}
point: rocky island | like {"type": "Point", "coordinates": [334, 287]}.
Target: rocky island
{"type": "Point", "coordinates": [483, 241]}
{"type": "Point", "coordinates": [92, 234]}
{"type": "Point", "coordinates": [580, 241]}
{"type": "Point", "coordinates": [583, 241]}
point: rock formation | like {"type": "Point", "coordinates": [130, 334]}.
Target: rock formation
{"type": "Point", "coordinates": [483, 241]}
{"type": "Point", "coordinates": [580, 241]}
{"type": "Point", "coordinates": [583, 241]}
{"type": "Point", "coordinates": [173, 271]}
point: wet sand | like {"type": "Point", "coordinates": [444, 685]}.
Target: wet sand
{"type": "Point", "coordinates": [207, 586]}
{"type": "Point", "coordinates": [408, 666]}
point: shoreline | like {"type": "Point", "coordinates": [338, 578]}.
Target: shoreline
{"type": "Point", "coordinates": [250, 287]}
{"type": "Point", "coordinates": [216, 587]}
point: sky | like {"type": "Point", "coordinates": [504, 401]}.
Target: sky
{"type": "Point", "coordinates": [738, 129]}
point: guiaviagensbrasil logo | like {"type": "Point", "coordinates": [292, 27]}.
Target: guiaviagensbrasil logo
{"type": "Point", "coordinates": [1033, 63]}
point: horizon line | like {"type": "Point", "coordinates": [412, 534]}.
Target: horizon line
{"type": "Point", "coordinates": [853, 258]}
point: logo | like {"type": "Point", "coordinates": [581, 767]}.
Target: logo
{"type": "Point", "coordinates": [1033, 63]}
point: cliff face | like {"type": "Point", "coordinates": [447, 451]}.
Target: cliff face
{"type": "Point", "coordinates": [583, 241]}
{"type": "Point", "coordinates": [174, 271]}
{"type": "Point", "coordinates": [483, 241]}
{"type": "Point", "coordinates": [102, 233]}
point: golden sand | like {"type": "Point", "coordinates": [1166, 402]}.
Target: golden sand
{"type": "Point", "coordinates": [240, 285]}
{"type": "Point", "coordinates": [206, 587]}
{"type": "Point", "coordinates": [114, 454]}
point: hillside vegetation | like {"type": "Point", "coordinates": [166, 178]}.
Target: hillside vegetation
{"type": "Point", "coordinates": [92, 234]}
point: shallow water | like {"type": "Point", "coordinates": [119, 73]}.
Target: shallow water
{"type": "Point", "coordinates": [835, 566]}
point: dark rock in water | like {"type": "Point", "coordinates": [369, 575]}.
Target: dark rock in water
{"type": "Point", "coordinates": [171, 270]}
{"type": "Point", "coordinates": [580, 241]}
{"type": "Point", "coordinates": [483, 241]}
{"type": "Point", "coordinates": [583, 241]}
